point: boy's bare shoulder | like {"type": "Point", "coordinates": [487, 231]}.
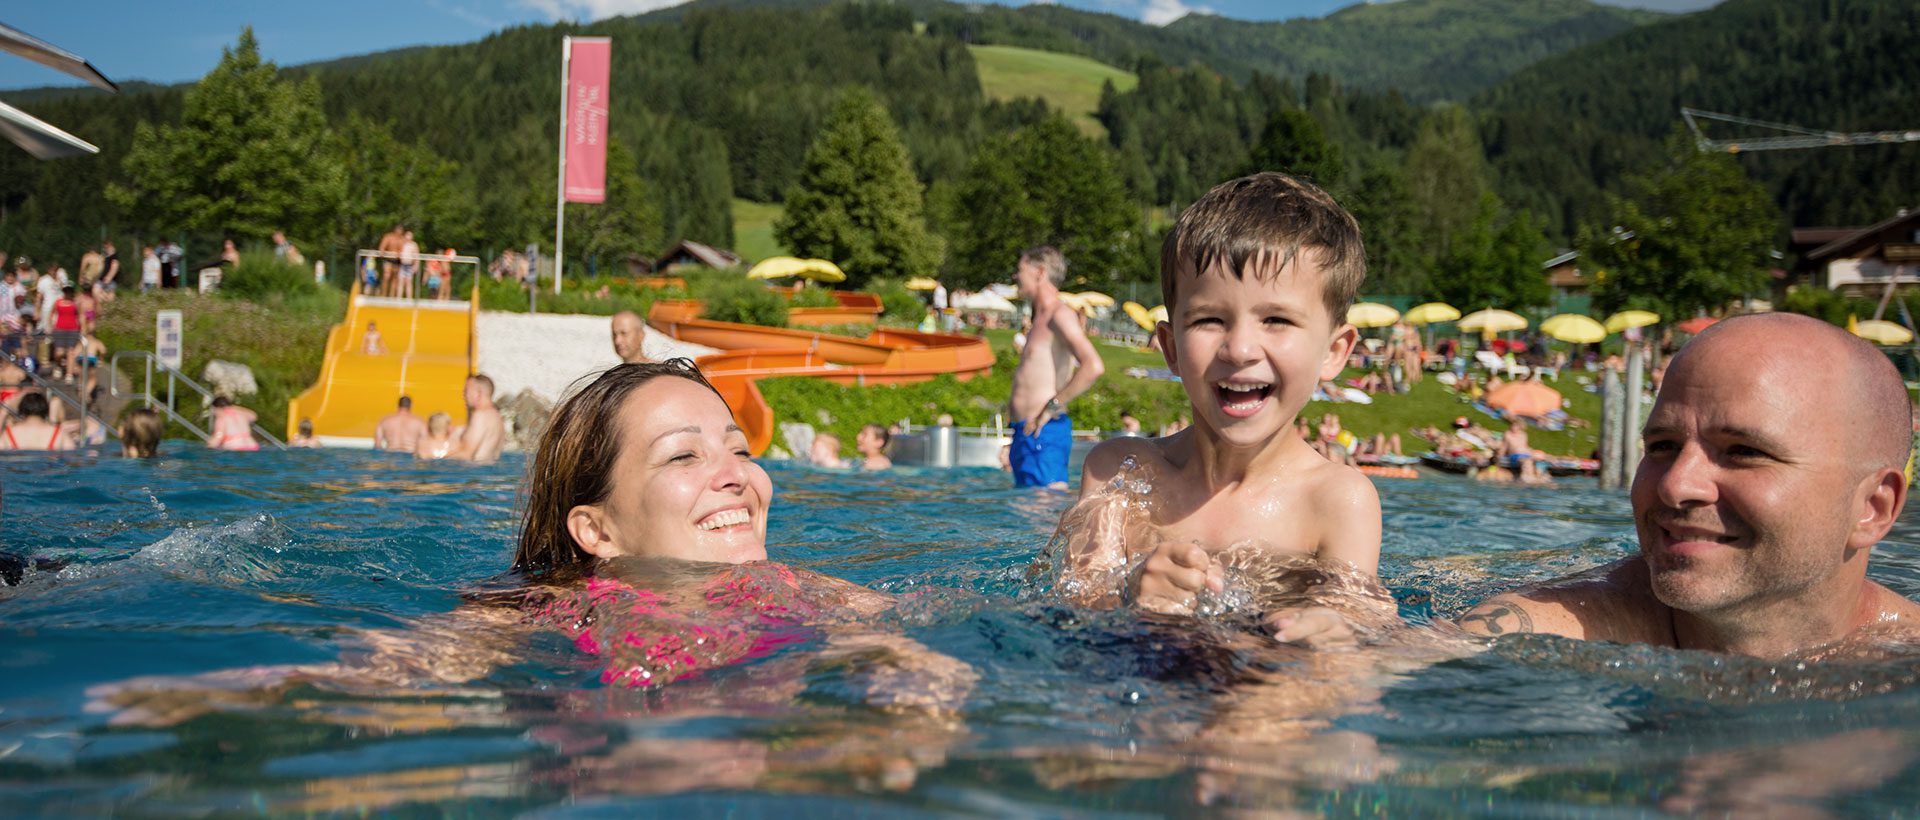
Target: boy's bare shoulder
{"type": "Point", "coordinates": [1339, 485]}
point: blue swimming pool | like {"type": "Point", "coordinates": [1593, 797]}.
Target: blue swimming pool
{"type": "Point", "coordinates": [204, 562]}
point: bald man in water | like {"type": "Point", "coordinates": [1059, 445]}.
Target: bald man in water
{"type": "Point", "coordinates": [628, 334]}
{"type": "Point", "coordinates": [1774, 463]}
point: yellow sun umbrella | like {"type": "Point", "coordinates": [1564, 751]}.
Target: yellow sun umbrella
{"type": "Point", "coordinates": [1431, 313]}
{"type": "Point", "coordinates": [1095, 299]}
{"type": "Point", "coordinates": [1157, 313]}
{"type": "Point", "coordinates": [1631, 318]}
{"type": "Point", "coordinates": [1882, 332]}
{"type": "Point", "coordinates": [777, 267]}
{"type": "Point", "coordinates": [1138, 312]}
{"type": "Point", "coordinates": [1371, 314]}
{"type": "Point", "coordinates": [920, 283]}
{"type": "Point", "coordinates": [1492, 321]}
{"type": "Point", "coordinates": [1574, 328]}
{"type": "Point", "coordinates": [1076, 301]}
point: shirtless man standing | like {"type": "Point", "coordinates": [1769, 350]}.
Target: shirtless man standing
{"type": "Point", "coordinates": [400, 430]}
{"type": "Point", "coordinates": [1057, 364]}
{"type": "Point", "coordinates": [485, 433]}
{"type": "Point", "coordinates": [628, 334]}
{"type": "Point", "coordinates": [391, 243]}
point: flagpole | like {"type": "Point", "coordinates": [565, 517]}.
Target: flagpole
{"type": "Point", "coordinates": [560, 188]}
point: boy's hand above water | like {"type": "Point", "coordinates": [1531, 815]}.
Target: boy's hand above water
{"type": "Point", "coordinates": [1170, 578]}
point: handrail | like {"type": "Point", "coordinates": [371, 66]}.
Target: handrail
{"type": "Point", "coordinates": [54, 390]}
{"type": "Point", "coordinates": [175, 378]}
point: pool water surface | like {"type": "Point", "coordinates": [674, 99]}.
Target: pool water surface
{"type": "Point", "coordinates": [152, 588]}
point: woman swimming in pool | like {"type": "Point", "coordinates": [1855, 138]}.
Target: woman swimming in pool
{"type": "Point", "coordinates": [641, 484]}
{"type": "Point", "coordinates": [644, 542]}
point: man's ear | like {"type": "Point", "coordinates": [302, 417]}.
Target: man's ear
{"type": "Point", "coordinates": [593, 532]}
{"type": "Point", "coordinates": [1338, 349]}
{"type": "Point", "coordinates": [1163, 333]}
{"type": "Point", "coordinates": [1882, 497]}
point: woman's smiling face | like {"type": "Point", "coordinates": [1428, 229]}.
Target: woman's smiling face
{"type": "Point", "coordinates": [684, 484]}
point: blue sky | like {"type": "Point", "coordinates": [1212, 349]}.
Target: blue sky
{"type": "Point", "coordinates": [173, 42]}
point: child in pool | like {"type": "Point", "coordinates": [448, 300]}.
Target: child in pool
{"type": "Point", "coordinates": [1257, 277]}
{"type": "Point", "coordinates": [438, 441]}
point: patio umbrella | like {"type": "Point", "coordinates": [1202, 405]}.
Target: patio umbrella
{"type": "Point", "coordinates": [1492, 321]}
{"type": "Point", "coordinates": [1882, 332]}
{"type": "Point", "coordinates": [819, 270]}
{"type": "Point", "coordinates": [1158, 313]}
{"type": "Point", "coordinates": [1092, 298]}
{"type": "Point", "coordinates": [1371, 314]}
{"type": "Point", "coordinates": [1574, 328]}
{"type": "Point", "coordinates": [1076, 301]}
{"type": "Point", "coordinates": [1631, 318]}
{"type": "Point", "coordinates": [1696, 324]}
{"type": "Point", "coordinates": [1524, 399]}
{"type": "Point", "coordinates": [1138, 313]}
{"type": "Point", "coordinates": [921, 283]}
{"type": "Point", "coordinates": [1432, 313]}
{"type": "Point", "coordinates": [985, 300]}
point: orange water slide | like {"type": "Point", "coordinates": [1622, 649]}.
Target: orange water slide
{"type": "Point", "coordinates": [428, 352]}
{"type": "Point", "coordinates": [752, 352]}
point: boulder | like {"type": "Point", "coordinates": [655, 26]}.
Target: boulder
{"type": "Point", "coordinates": [526, 415]}
{"type": "Point", "coordinates": [798, 436]}
{"type": "Point", "coordinates": [230, 379]}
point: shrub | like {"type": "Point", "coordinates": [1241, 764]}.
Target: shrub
{"type": "Point", "coordinates": [813, 297]}
{"type": "Point", "coordinates": [745, 301]}
{"type": "Point", "coordinates": [259, 274]}
{"type": "Point", "coordinates": [897, 303]}
{"type": "Point", "coordinates": [598, 296]}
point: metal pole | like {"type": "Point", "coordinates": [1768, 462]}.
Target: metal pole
{"type": "Point", "coordinates": [1630, 420]}
{"type": "Point", "coordinates": [560, 187]}
{"type": "Point", "coordinates": [1612, 400]}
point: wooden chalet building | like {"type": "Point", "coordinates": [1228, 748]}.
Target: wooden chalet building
{"type": "Point", "coordinates": [1860, 261]}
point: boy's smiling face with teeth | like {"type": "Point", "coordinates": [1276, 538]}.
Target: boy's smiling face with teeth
{"type": "Point", "coordinates": [1250, 349]}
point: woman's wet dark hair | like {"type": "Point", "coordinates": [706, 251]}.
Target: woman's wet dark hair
{"type": "Point", "coordinates": [573, 465]}
{"type": "Point", "coordinates": [33, 405]}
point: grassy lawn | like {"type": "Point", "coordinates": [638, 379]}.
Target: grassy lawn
{"type": "Point", "coordinates": [1067, 82]}
{"type": "Point", "coordinates": [753, 230]}
{"type": "Point", "coordinates": [281, 339]}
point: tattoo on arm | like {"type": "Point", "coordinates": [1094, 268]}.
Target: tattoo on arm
{"type": "Point", "coordinates": [1499, 619]}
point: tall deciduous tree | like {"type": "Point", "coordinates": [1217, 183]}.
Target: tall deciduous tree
{"type": "Point", "coordinates": [857, 201]}
{"type": "Point", "coordinates": [627, 223]}
{"type": "Point", "coordinates": [1044, 185]}
{"type": "Point", "coordinates": [1446, 173]}
{"type": "Point", "coordinates": [390, 182]}
{"type": "Point", "coordinates": [1293, 142]}
{"type": "Point", "coordinates": [1494, 262]}
{"type": "Point", "coordinates": [250, 155]}
{"type": "Point", "coordinates": [1695, 236]}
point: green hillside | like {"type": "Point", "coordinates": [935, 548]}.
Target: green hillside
{"type": "Point", "coordinates": [1068, 82]}
{"type": "Point", "coordinates": [1427, 49]}
{"type": "Point", "coordinates": [753, 230]}
{"type": "Point", "coordinates": [1573, 126]}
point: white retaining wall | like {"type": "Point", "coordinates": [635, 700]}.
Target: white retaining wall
{"type": "Point", "coordinates": [547, 353]}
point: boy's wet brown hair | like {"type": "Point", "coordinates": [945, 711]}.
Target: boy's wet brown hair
{"type": "Point", "coordinates": [1264, 222]}
{"type": "Point", "coordinates": [573, 464]}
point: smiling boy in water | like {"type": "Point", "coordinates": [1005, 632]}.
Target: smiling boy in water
{"type": "Point", "coordinates": [1257, 277]}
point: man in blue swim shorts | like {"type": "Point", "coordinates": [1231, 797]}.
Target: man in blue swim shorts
{"type": "Point", "coordinates": [1057, 364]}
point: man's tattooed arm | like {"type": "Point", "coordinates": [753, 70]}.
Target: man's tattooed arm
{"type": "Point", "coordinates": [1496, 619]}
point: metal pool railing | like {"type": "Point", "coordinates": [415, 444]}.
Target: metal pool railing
{"type": "Point", "coordinates": [79, 403]}
{"type": "Point", "coordinates": [175, 379]}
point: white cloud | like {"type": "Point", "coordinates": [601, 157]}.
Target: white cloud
{"type": "Point", "coordinates": [596, 9]}
{"type": "Point", "coordinates": [1162, 12]}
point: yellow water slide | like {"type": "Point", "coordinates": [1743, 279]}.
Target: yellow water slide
{"type": "Point", "coordinates": [428, 354]}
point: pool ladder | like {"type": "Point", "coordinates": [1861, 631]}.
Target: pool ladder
{"type": "Point", "coordinates": [175, 380]}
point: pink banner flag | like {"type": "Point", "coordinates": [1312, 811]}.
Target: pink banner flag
{"type": "Point", "coordinates": [586, 125]}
